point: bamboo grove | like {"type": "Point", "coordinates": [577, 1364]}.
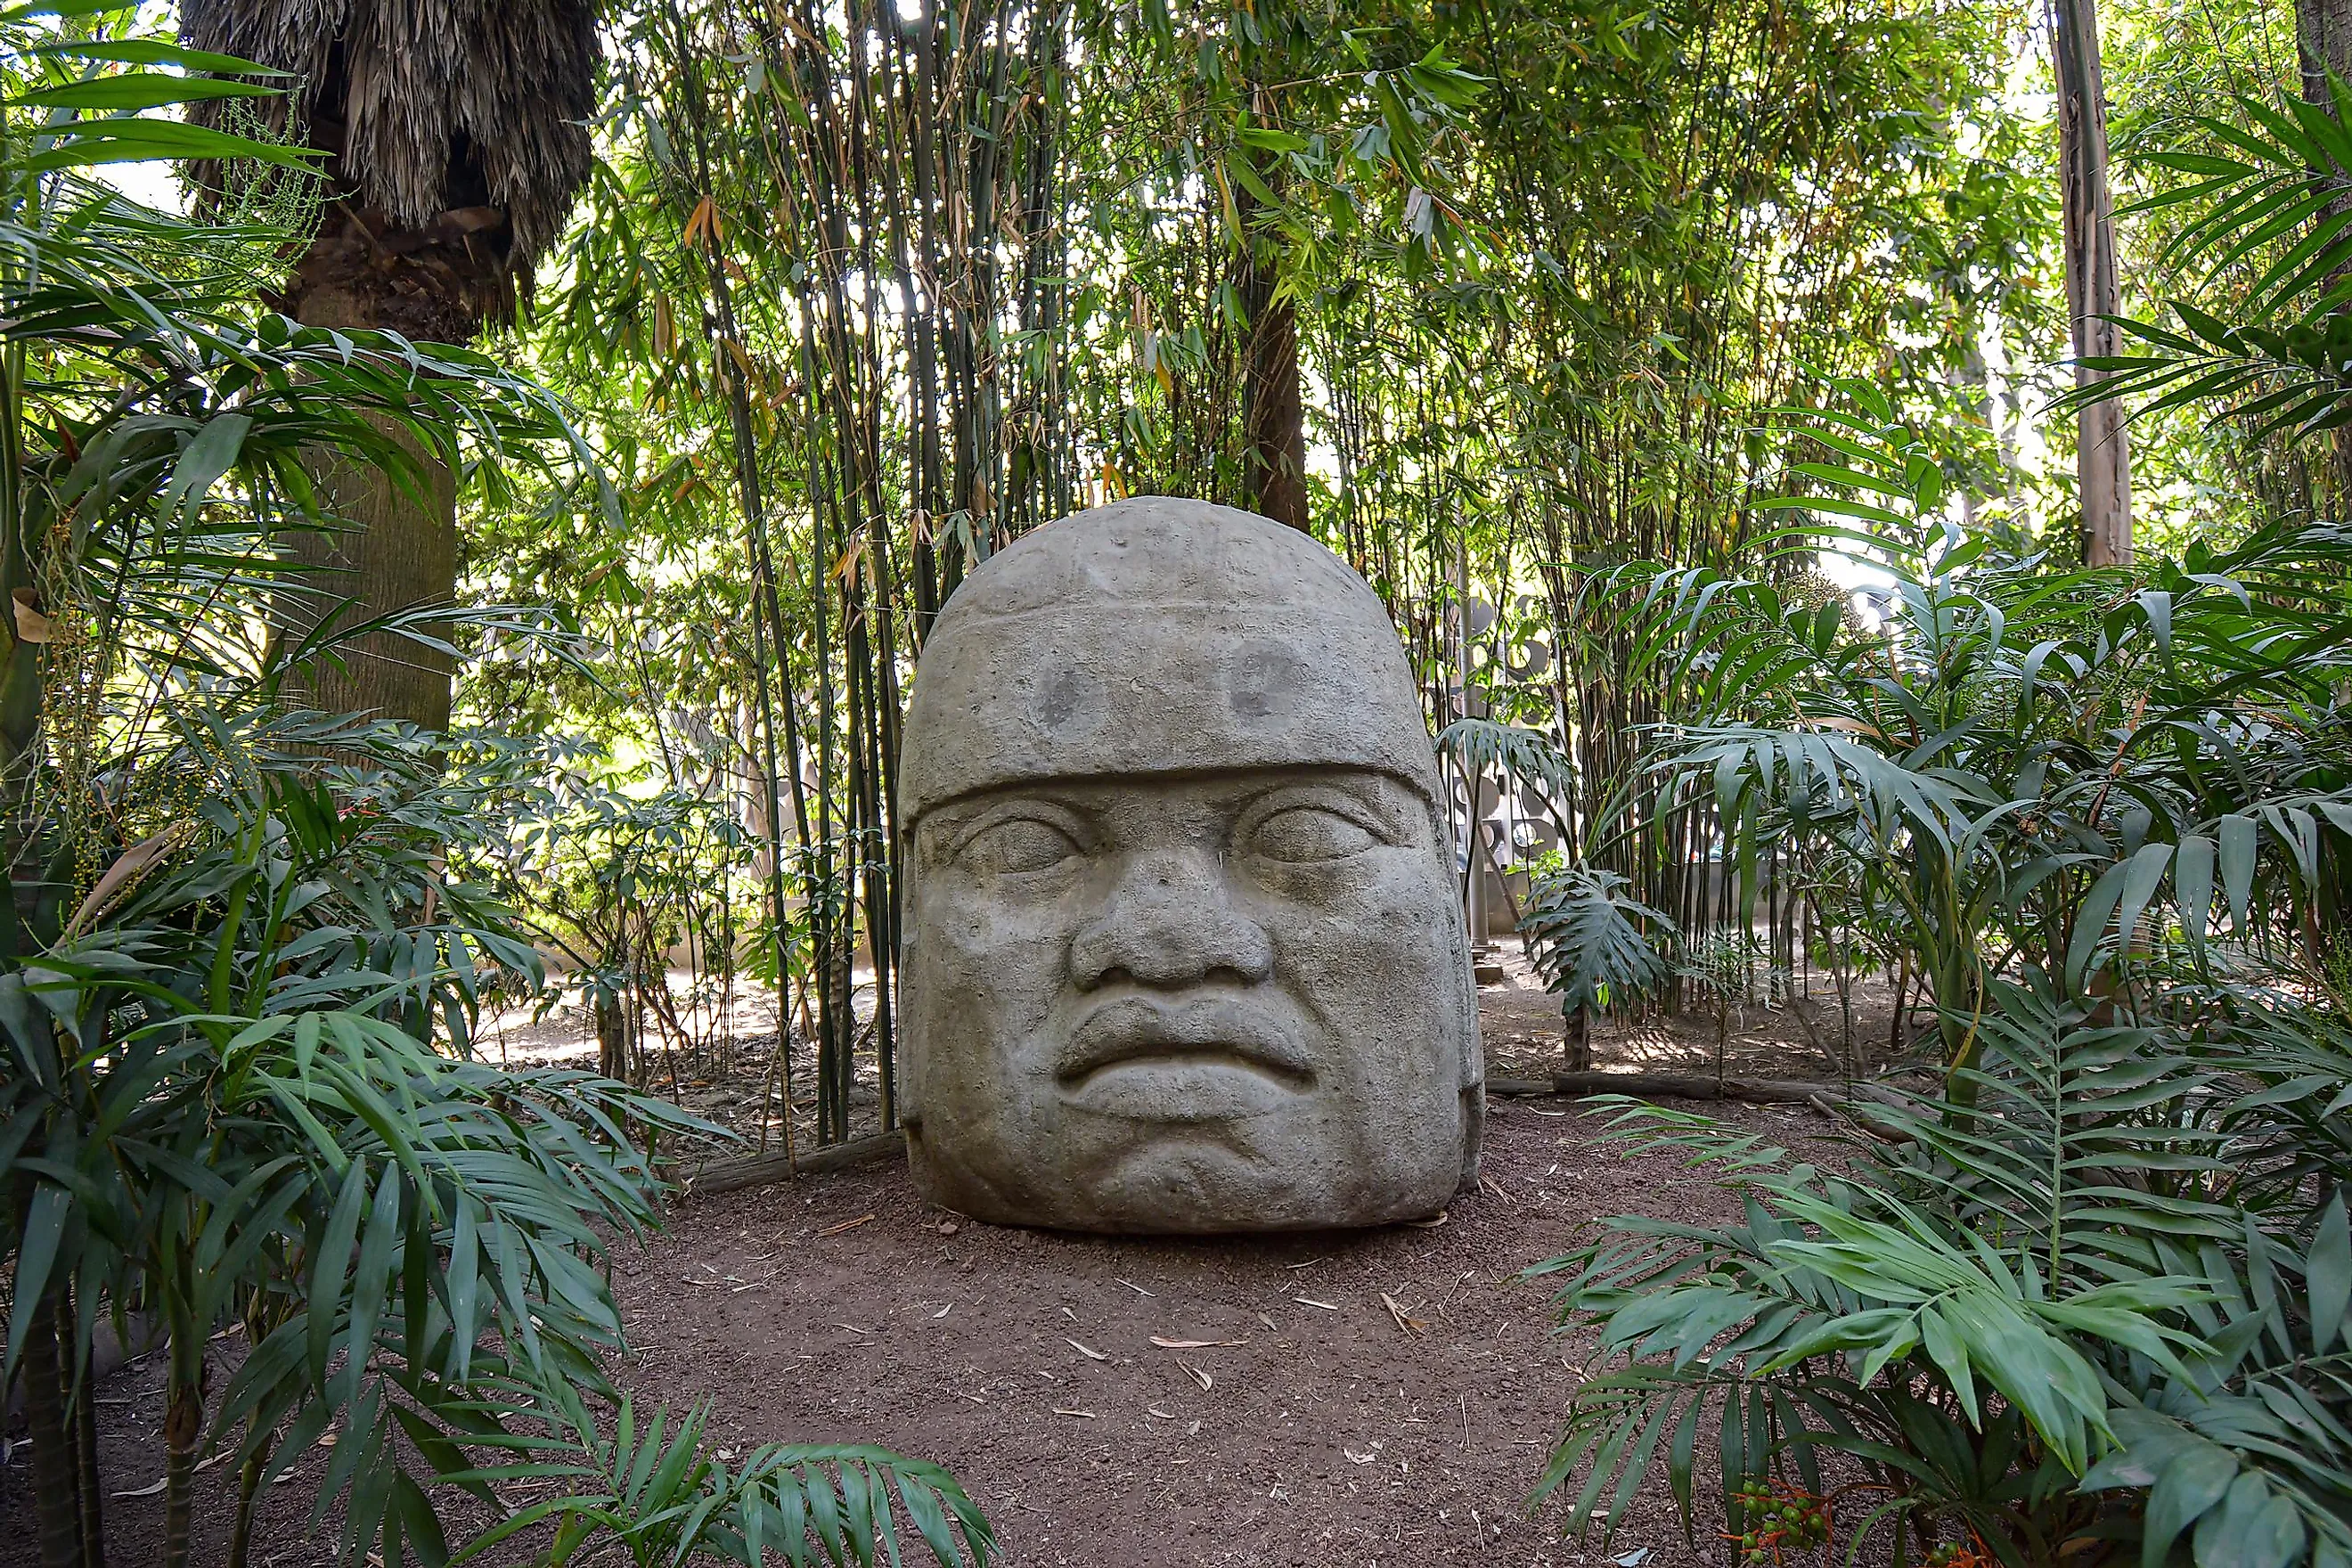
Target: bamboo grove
{"type": "Point", "coordinates": [1491, 300]}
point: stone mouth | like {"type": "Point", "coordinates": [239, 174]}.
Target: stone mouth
{"type": "Point", "coordinates": [1174, 1040]}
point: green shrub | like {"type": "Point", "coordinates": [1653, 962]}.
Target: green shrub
{"type": "Point", "coordinates": [2095, 1304]}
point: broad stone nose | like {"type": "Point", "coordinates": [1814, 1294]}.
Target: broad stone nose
{"type": "Point", "coordinates": [1170, 921]}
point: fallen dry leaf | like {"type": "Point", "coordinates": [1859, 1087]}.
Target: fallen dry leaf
{"type": "Point", "coordinates": [1086, 1350]}
{"type": "Point", "coordinates": [1155, 1410]}
{"type": "Point", "coordinates": [1267, 1322]}
{"type": "Point", "coordinates": [1196, 1344]}
{"type": "Point", "coordinates": [1429, 1224]}
{"type": "Point", "coordinates": [1355, 1458]}
{"type": "Point", "coordinates": [1199, 1376]}
{"type": "Point", "coordinates": [845, 1225]}
{"type": "Point", "coordinates": [1409, 1324]}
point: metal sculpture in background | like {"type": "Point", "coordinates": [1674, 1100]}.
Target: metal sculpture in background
{"type": "Point", "coordinates": [1504, 666]}
{"type": "Point", "coordinates": [1181, 949]}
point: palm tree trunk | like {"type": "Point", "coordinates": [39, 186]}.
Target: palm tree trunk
{"type": "Point", "coordinates": [1274, 407]}
{"type": "Point", "coordinates": [1274, 416]}
{"type": "Point", "coordinates": [394, 551]}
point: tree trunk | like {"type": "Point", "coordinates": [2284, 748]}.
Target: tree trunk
{"type": "Point", "coordinates": [1275, 417]}
{"type": "Point", "coordinates": [86, 1480]}
{"type": "Point", "coordinates": [2103, 455]}
{"type": "Point", "coordinates": [2323, 42]}
{"type": "Point", "coordinates": [397, 549]}
{"type": "Point", "coordinates": [1274, 407]}
{"type": "Point", "coordinates": [1577, 1053]}
{"type": "Point", "coordinates": [56, 1495]}
{"type": "Point", "coordinates": [184, 1421]}
{"type": "Point", "coordinates": [612, 1034]}
{"type": "Point", "coordinates": [240, 1536]}
{"type": "Point", "coordinates": [392, 550]}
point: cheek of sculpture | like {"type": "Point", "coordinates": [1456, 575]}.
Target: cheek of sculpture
{"type": "Point", "coordinates": [980, 980]}
{"type": "Point", "coordinates": [1370, 957]}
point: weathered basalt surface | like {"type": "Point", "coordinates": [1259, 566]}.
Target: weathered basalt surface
{"type": "Point", "coordinates": [1181, 952]}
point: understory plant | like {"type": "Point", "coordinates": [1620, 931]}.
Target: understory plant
{"type": "Point", "coordinates": [2083, 1291]}
{"type": "Point", "coordinates": [240, 969]}
{"type": "Point", "coordinates": [2013, 763]}
{"type": "Point", "coordinates": [1595, 944]}
{"type": "Point", "coordinates": [2095, 1309]}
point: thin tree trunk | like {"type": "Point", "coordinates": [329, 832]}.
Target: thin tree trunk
{"type": "Point", "coordinates": [57, 1507]}
{"type": "Point", "coordinates": [1274, 406]}
{"type": "Point", "coordinates": [2323, 42]}
{"type": "Point", "coordinates": [2103, 455]}
{"type": "Point", "coordinates": [767, 617]}
{"type": "Point", "coordinates": [248, 1487]}
{"type": "Point", "coordinates": [1578, 1053]}
{"type": "Point", "coordinates": [84, 1391]}
{"type": "Point", "coordinates": [183, 1424]}
{"type": "Point", "coordinates": [611, 1036]}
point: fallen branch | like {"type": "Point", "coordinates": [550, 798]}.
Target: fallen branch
{"type": "Point", "coordinates": [764, 1170]}
{"type": "Point", "coordinates": [1686, 1086]}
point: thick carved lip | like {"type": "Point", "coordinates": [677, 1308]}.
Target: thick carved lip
{"type": "Point", "coordinates": [1193, 1031]}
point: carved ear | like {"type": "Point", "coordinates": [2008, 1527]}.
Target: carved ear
{"type": "Point", "coordinates": [1473, 1136]}
{"type": "Point", "coordinates": [906, 1098]}
{"type": "Point", "coordinates": [1474, 1046]}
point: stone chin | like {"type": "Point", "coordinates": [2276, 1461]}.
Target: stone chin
{"type": "Point", "coordinates": [1181, 1180]}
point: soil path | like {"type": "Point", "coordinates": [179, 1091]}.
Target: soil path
{"type": "Point", "coordinates": [1327, 1433]}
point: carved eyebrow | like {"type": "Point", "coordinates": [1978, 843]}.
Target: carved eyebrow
{"type": "Point", "coordinates": [1367, 806]}
{"type": "Point", "coordinates": [1366, 794]}
{"type": "Point", "coordinates": [959, 824]}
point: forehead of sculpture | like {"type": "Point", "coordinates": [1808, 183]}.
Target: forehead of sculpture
{"type": "Point", "coordinates": [1164, 552]}
{"type": "Point", "coordinates": [1157, 635]}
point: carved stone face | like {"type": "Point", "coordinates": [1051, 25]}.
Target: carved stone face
{"type": "Point", "coordinates": [1194, 965]}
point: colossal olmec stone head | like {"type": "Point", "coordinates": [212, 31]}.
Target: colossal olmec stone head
{"type": "Point", "coordinates": [1182, 944]}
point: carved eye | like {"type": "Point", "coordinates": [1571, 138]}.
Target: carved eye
{"type": "Point", "coordinates": [1308, 835]}
{"type": "Point", "coordinates": [1016, 844]}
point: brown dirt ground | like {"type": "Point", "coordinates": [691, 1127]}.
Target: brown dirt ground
{"type": "Point", "coordinates": [843, 1309]}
